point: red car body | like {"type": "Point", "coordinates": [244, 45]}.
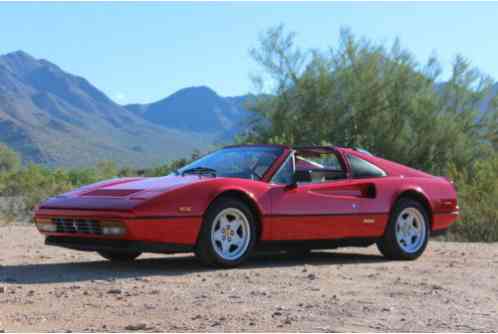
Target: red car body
{"type": "Point", "coordinates": [165, 214]}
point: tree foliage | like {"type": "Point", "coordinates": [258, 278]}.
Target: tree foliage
{"type": "Point", "coordinates": [363, 94]}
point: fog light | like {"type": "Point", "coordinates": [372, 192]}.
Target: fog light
{"type": "Point", "coordinates": [112, 228]}
{"type": "Point", "coordinates": [45, 225]}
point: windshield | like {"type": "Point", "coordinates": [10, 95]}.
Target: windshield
{"type": "Point", "coordinates": [239, 162]}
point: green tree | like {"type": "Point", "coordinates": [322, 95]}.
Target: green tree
{"type": "Point", "coordinates": [363, 94]}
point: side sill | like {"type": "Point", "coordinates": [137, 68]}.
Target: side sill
{"type": "Point", "coordinates": [315, 244]}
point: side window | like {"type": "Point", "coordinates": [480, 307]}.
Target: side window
{"type": "Point", "coordinates": [316, 167]}
{"type": "Point", "coordinates": [286, 172]}
{"type": "Point", "coordinates": [364, 169]}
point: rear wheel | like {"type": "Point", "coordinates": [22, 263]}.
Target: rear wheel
{"type": "Point", "coordinates": [408, 231]}
{"type": "Point", "coordinates": [228, 234]}
{"type": "Point", "coordinates": [119, 256]}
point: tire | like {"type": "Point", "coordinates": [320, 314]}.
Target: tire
{"type": "Point", "coordinates": [119, 256]}
{"type": "Point", "coordinates": [407, 233]}
{"type": "Point", "coordinates": [228, 234]}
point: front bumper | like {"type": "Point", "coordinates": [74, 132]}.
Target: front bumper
{"type": "Point", "coordinates": [174, 230]}
{"type": "Point", "coordinates": [92, 244]}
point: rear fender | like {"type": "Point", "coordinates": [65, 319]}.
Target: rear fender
{"type": "Point", "coordinates": [417, 193]}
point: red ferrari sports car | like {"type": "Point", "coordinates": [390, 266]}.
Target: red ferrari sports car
{"type": "Point", "coordinates": [230, 202]}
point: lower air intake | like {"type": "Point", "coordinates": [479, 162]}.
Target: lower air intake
{"type": "Point", "coordinates": [84, 226]}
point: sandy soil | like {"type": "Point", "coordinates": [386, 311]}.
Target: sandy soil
{"type": "Point", "coordinates": [452, 287]}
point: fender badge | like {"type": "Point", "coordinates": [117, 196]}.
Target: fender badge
{"type": "Point", "coordinates": [368, 221]}
{"type": "Point", "coordinates": [185, 209]}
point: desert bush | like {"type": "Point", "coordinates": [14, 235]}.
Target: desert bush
{"type": "Point", "coordinates": [9, 160]}
{"type": "Point", "coordinates": [478, 200]}
{"type": "Point", "coordinates": [23, 188]}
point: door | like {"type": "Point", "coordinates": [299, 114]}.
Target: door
{"type": "Point", "coordinates": [325, 203]}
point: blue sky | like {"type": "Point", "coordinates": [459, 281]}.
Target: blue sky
{"type": "Point", "coordinates": [144, 52]}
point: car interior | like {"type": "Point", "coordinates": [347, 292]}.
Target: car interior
{"type": "Point", "coordinates": [316, 166]}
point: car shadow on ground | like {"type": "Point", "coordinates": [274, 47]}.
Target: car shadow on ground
{"type": "Point", "coordinates": [67, 272]}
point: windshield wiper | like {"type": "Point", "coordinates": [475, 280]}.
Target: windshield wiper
{"type": "Point", "coordinates": [200, 170]}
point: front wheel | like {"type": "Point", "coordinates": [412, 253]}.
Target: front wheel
{"type": "Point", "coordinates": [228, 234]}
{"type": "Point", "coordinates": [407, 233]}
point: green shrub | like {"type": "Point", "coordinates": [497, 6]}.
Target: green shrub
{"type": "Point", "coordinates": [9, 160]}
{"type": "Point", "coordinates": [478, 200]}
{"type": "Point", "coordinates": [25, 188]}
{"type": "Point", "coordinates": [21, 189]}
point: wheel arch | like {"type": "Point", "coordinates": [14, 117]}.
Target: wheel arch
{"type": "Point", "coordinates": [417, 195]}
{"type": "Point", "coordinates": [246, 198]}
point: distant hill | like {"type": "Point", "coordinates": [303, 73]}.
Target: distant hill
{"type": "Point", "coordinates": [56, 118]}
{"type": "Point", "coordinates": [199, 110]}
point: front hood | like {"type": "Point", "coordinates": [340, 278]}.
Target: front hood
{"type": "Point", "coordinates": [119, 194]}
{"type": "Point", "coordinates": [148, 184]}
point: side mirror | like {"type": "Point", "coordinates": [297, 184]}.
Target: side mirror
{"type": "Point", "coordinates": [293, 182]}
{"type": "Point", "coordinates": [300, 176]}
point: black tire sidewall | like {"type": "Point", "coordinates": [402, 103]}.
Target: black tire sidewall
{"type": "Point", "coordinates": [205, 250]}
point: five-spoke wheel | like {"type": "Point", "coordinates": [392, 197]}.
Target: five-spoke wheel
{"type": "Point", "coordinates": [407, 232]}
{"type": "Point", "coordinates": [410, 230]}
{"type": "Point", "coordinates": [228, 233]}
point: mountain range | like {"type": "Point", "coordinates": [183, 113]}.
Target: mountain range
{"type": "Point", "coordinates": [55, 118]}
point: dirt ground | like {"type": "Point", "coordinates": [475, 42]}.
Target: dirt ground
{"type": "Point", "coordinates": [452, 287]}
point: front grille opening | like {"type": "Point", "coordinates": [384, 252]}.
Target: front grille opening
{"type": "Point", "coordinates": [83, 226]}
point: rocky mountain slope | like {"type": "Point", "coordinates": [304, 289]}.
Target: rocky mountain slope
{"type": "Point", "coordinates": [56, 118]}
{"type": "Point", "coordinates": [197, 109]}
